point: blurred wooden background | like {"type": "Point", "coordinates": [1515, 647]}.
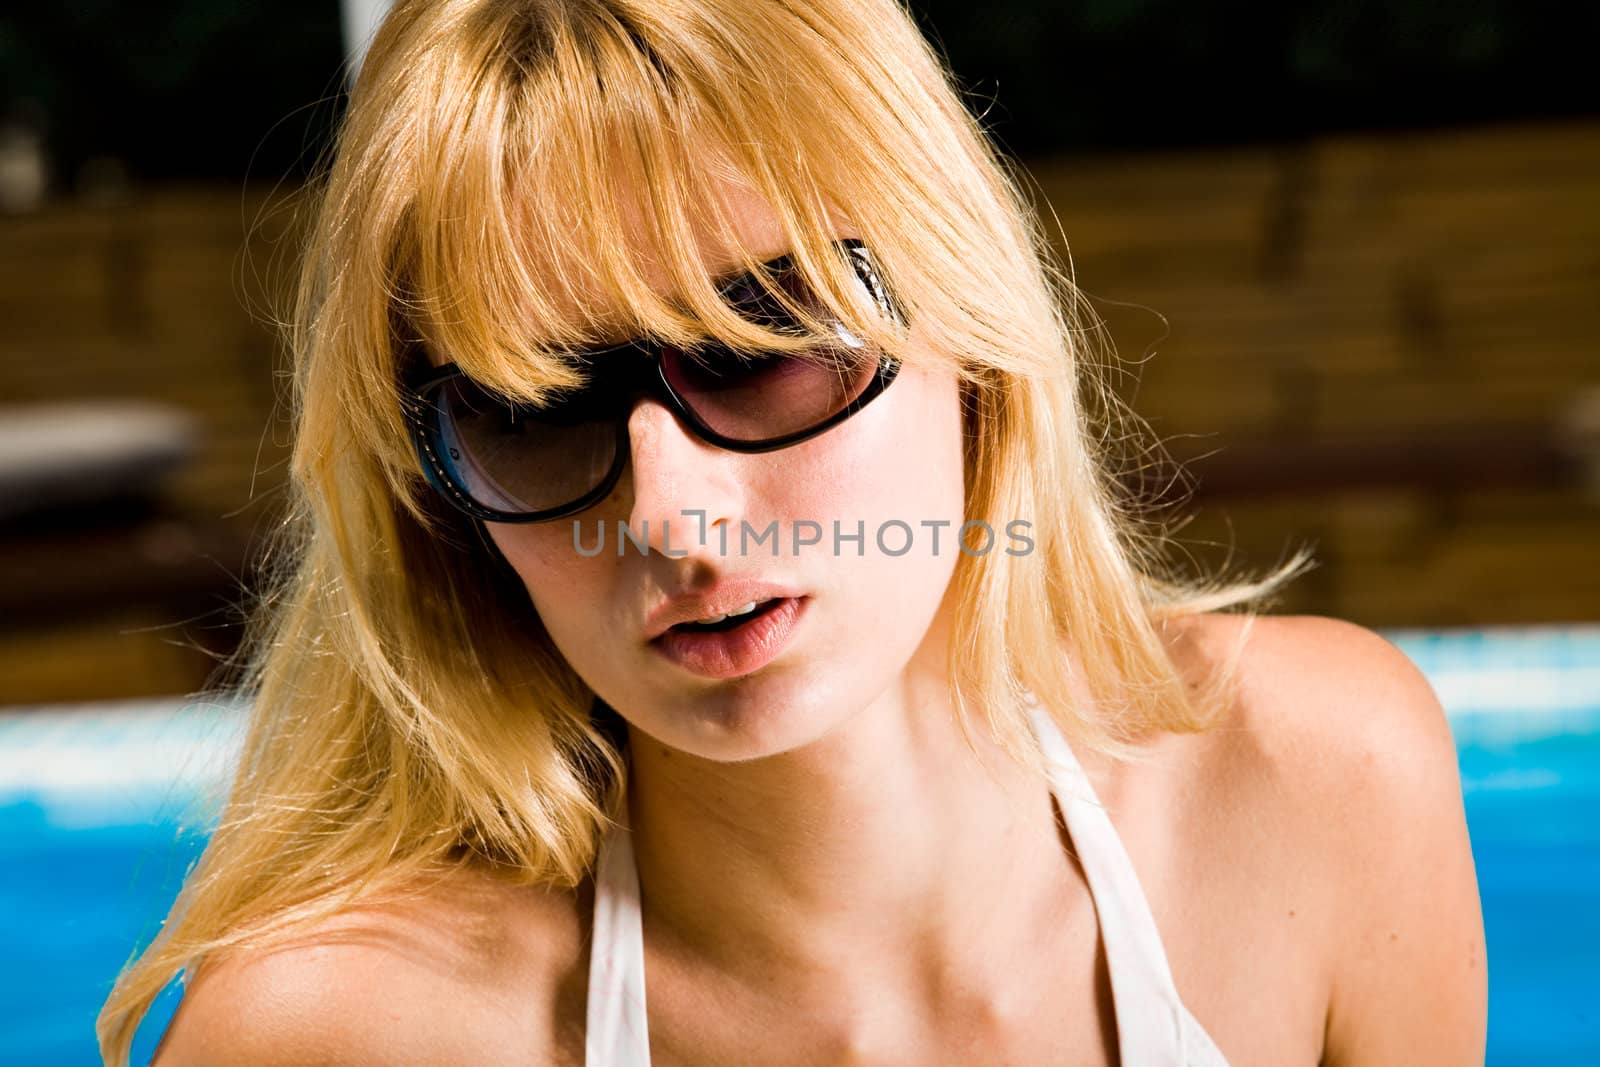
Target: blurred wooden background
{"type": "Point", "coordinates": [1424, 292]}
{"type": "Point", "coordinates": [1382, 346]}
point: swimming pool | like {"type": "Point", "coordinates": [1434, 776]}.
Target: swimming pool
{"type": "Point", "coordinates": [102, 810]}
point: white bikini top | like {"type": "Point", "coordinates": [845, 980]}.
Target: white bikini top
{"type": "Point", "coordinates": [1154, 1029]}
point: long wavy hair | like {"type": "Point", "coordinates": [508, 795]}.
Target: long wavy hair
{"type": "Point", "coordinates": [503, 168]}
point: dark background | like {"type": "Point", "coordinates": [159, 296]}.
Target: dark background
{"type": "Point", "coordinates": [226, 89]}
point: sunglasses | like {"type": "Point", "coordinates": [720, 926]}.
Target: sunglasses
{"type": "Point", "coordinates": [502, 460]}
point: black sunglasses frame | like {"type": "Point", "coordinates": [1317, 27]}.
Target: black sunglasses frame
{"type": "Point", "coordinates": [641, 374]}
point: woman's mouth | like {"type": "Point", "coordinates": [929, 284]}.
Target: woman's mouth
{"type": "Point", "coordinates": [736, 644]}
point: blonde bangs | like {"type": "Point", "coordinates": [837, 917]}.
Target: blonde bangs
{"type": "Point", "coordinates": [631, 182]}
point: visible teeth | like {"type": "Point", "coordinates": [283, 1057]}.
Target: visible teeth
{"type": "Point", "coordinates": [747, 609]}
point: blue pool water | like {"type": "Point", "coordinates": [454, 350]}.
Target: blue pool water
{"type": "Point", "coordinates": [99, 819]}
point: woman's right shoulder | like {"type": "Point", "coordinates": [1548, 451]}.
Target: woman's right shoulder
{"type": "Point", "coordinates": [473, 970]}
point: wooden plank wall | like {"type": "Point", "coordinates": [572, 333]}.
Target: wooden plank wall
{"type": "Point", "coordinates": [162, 296]}
{"type": "Point", "coordinates": [1444, 282]}
{"type": "Point", "coordinates": [159, 297]}
{"type": "Point", "coordinates": [1348, 285]}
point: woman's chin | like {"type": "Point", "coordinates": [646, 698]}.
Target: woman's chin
{"type": "Point", "coordinates": [743, 723]}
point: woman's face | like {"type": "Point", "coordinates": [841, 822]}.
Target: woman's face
{"type": "Point", "coordinates": [862, 613]}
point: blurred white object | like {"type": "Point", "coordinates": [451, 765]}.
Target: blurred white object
{"type": "Point", "coordinates": [23, 174]}
{"type": "Point", "coordinates": [360, 19]}
{"type": "Point", "coordinates": [52, 454]}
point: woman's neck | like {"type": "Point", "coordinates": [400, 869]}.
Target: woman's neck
{"type": "Point", "coordinates": [886, 854]}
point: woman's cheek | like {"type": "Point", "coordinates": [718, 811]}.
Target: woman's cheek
{"type": "Point", "coordinates": [551, 569]}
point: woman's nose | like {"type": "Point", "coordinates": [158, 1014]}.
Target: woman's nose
{"type": "Point", "coordinates": [683, 487]}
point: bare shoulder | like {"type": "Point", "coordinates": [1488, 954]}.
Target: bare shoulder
{"type": "Point", "coordinates": [1336, 753]}
{"type": "Point", "coordinates": [472, 970]}
{"type": "Point", "coordinates": [1333, 704]}
{"type": "Point", "coordinates": [1330, 728]}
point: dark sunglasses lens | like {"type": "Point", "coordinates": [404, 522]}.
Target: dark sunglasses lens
{"type": "Point", "coordinates": [513, 459]}
{"type": "Point", "coordinates": [761, 396]}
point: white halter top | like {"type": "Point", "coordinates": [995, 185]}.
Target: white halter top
{"type": "Point", "coordinates": [1154, 1029]}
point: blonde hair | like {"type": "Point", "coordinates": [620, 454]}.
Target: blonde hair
{"type": "Point", "coordinates": [503, 168]}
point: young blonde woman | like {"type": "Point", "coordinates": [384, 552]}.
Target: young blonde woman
{"type": "Point", "coordinates": [709, 633]}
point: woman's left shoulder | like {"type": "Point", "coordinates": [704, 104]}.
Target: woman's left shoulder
{"type": "Point", "coordinates": [1329, 725]}
{"type": "Point", "coordinates": [1321, 697]}
{"type": "Point", "coordinates": [1335, 752]}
